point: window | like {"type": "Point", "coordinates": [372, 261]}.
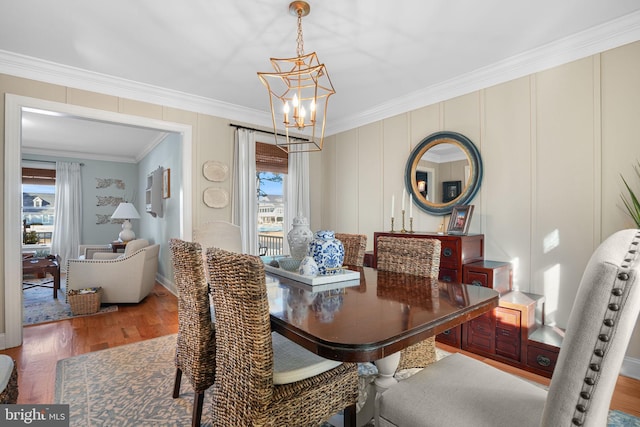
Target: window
{"type": "Point", "coordinates": [272, 165]}
{"type": "Point", "coordinates": [38, 205]}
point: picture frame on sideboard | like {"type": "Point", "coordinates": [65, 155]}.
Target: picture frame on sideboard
{"type": "Point", "coordinates": [460, 219]}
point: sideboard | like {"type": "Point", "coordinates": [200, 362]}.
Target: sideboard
{"type": "Point", "coordinates": [455, 252]}
{"type": "Point", "coordinates": [514, 332]}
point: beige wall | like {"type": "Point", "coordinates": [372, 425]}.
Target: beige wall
{"type": "Point", "coordinates": [553, 146]}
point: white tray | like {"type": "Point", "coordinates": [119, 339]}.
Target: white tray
{"type": "Point", "coordinates": [274, 280]}
{"type": "Point", "coordinates": [340, 276]}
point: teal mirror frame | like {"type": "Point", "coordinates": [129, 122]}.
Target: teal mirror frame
{"type": "Point", "coordinates": [467, 193]}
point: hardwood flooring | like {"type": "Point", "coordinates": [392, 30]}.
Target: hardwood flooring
{"type": "Point", "coordinates": [157, 315]}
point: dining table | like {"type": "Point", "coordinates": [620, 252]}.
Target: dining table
{"type": "Point", "coordinates": [373, 318]}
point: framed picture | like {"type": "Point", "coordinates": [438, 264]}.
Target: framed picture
{"type": "Point", "coordinates": [460, 219]}
{"type": "Point", "coordinates": [450, 190]}
{"type": "Point", "coordinates": [166, 183]}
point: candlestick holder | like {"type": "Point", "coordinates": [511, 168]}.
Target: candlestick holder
{"type": "Point", "coordinates": [392, 225]}
{"type": "Point", "coordinates": [410, 224]}
{"type": "Point", "coordinates": [403, 230]}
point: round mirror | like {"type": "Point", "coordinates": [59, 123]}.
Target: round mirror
{"type": "Point", "coordinates": [444, 170]}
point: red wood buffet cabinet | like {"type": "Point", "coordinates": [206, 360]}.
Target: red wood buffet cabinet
{"type": "Point", "coordinates": [514, 332]}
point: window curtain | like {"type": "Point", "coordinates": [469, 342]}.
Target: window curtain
{"type": "Point", "coordinates": [297, 192]}
{"type": "Point", "coordinates": [244, 205]}
{"type": "Point", "coordinates": [68, 212]}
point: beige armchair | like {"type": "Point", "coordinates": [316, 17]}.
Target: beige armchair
{"type": "Point", "coordinates": [87, 251]}
{"type": "Point", "coordinates": [124, 278]}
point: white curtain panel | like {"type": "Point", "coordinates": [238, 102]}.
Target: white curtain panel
{"type": "Point", "coordinates": [68, 212]}
{"type": "Point", "coordinates": [296, 191]}
{"type": "Point", "coordinates": [244, 204]}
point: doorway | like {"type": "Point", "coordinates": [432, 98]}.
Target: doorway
{"type": "Point", "coordinates": [14, 106]}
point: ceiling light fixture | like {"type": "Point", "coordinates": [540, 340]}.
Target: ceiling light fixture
{"type": "Point", "coordinates": [299, 91]}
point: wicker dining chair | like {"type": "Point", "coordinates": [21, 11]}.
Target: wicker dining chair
{"type": "Point", "coordinates": [196, 343]}
{"type": "Point", "coordinates": [420, 257]}
{"type": "Point", "coordinates": [354, 247]}
{"type": "Point", "coordinates": [246, 392]}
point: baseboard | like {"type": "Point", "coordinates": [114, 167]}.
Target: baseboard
{"type": "Point", "coordinates": [631, 368]}
{"type": "Point", "coordinates": [168, 284]}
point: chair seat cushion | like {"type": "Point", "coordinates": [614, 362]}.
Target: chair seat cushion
{"type": "Point", "coordinates": [461, 391]}
{"type": "Point", "coordinates": [292, 363]}
{"type": "Point", "coordinates": [6, 367]}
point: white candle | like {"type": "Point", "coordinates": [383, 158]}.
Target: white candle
{"type": "Point", "coordinates": [393, 202]}
{"type": "Point", "coordinates": [410, 205]}
{"type": "Point", "coordinates": [404, 192]}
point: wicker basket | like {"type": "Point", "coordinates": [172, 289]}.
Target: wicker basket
{"type": "Point", "coordinates": [84, 303]}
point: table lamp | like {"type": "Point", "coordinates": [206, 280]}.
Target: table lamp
{"type": "Point", "coordinates": [127, 212]}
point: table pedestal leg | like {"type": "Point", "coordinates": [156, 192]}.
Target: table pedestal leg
{"type": "Point", "coordinates": [387, 366]}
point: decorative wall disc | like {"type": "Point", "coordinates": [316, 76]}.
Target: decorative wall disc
{"type": "Point", "coordinates": [216, 197]}
{"type": "Point", "coordinates": [215, 171]}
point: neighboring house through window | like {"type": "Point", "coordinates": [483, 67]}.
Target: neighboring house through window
{"type": "Point", "coordinates": [271, 174]}
{"type": "Point", "coordinates": [38, 205]}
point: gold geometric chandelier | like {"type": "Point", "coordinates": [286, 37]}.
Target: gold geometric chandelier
{"type": "Point", "coordinates": [299, 92]}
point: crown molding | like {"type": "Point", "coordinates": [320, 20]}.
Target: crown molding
{"type": "Point", "coordinates": [64, 75]}
{"type": "Point", "coordinates": [595, 40]}
{"type": "Point", "coordinates": [78, 155]}
{"type": "Point", "coordinates": [612, 34]}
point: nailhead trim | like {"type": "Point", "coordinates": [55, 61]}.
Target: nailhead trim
{"type": "Point", "coordinates": [614, 306]}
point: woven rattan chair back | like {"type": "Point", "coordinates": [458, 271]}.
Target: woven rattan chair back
{"type": "Point", "coordinates": [417, 256]}
{"type": "Point", "coordinates": [420, 257]}
{"type": "Point", "coordinates": [354, 247]}
{"type": "Point", "coordinates": [244, 393]}
{"type": "Point", "coordinates": [196, 343]}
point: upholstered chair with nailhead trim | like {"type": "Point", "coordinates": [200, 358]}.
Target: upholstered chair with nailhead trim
{"type": "Point", "coordinates": [461, 391]}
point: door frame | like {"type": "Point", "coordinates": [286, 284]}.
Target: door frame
{"type": "Point", "coordinates": [14, 104]}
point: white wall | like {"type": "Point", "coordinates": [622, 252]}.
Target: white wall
{"type": "Point", "coordinates": [553, 146]}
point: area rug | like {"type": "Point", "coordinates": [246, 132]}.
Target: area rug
{"type": "Point", "coordinates": [131, 385]}
{"type": "Point", "coordinates": [39, 306]}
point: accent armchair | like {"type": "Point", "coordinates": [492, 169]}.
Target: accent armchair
{"type": "Point", "coordinates": [461, 391]}
{"type": "Point", "coordinates": [124, 278]}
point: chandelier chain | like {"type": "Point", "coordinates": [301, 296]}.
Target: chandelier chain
{"type": "Point", "coordinates": [299, 40]}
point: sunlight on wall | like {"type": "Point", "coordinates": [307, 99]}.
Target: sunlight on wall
{"type": "Point", "coordinates": [515, 264]}
{"type": "Point", "coordinates": [551, 290]}
{"type": "Point", "coordinates": [551, 279]}
{"type": "Point", "coordinates": [551, 241]}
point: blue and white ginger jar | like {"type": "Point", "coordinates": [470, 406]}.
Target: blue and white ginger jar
{"type": "Point", "coordinates": [327, 251]}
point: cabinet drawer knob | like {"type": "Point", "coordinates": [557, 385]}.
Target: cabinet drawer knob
{"type": "Point", "coordinates": [446, 279]}
{"type": "Point", "coordinates": [543, 360]}
{"type": "Point", "coordinates": [476, 283]}
{"type": "Point", "coordinates": [447, 252]}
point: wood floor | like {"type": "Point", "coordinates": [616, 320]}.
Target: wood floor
{"type": "Point", "coordinates": [157, 315]}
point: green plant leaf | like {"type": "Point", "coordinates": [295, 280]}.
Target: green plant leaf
{"type": "Point", "coordinates": [632, 204]}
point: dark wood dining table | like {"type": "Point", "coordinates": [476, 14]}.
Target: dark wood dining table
{"type": "Point", "coordinates": [371, 319]}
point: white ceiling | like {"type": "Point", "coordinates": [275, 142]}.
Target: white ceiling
{"type": "Point", "coordinates": [383, 57]}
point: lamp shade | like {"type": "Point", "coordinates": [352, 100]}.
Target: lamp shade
{"type": "Point", "coordinates": [125, 210]}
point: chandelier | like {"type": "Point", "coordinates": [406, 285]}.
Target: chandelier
{"type": "Point", "coordinates": [299, 91]}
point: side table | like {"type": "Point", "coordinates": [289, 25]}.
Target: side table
{"type": "Point", "coordinates": [50, 264]}
{"type": "Point", "coordinates": [118, 245]}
